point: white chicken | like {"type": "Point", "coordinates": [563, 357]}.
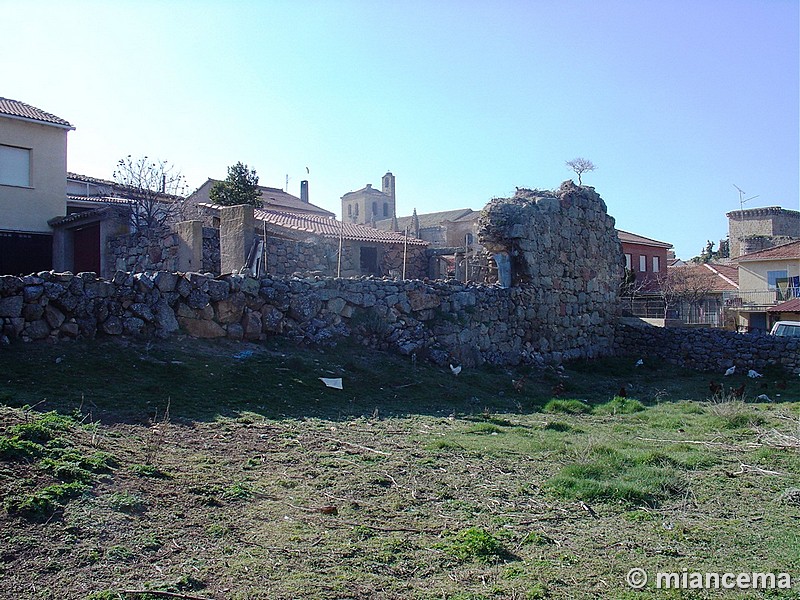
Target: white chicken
{"type": "Point", "coordinates": [730, 371]}
{"type": "Point", "coordinates": [455, 370]}
{"type": "Point", "coordinates": [753, 374]}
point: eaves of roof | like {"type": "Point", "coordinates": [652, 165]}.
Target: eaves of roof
{"type": "Point", "coordinates": [14, 109]}
{"type": "Point", "coordinates": [782, 252]}
{"type": "Point", "coordinates": [627, 237]}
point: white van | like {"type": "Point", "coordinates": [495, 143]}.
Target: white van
{"type": "Point", "coordinates": [786, 329]}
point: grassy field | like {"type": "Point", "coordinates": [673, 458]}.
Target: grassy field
{"type": "Point", "coordinates": [194, 470]}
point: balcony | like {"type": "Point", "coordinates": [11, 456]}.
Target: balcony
{"type": "Point", "coordinates": [754, 300]}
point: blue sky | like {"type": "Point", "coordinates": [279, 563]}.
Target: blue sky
{"type": "Point", "coordinates": [675, 102]}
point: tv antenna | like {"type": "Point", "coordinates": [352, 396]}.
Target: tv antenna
{"type": "Point", "coordinates": [742, 201]}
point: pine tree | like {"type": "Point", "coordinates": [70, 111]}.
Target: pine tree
{"type": "Point", "coordinates": [240, 187]}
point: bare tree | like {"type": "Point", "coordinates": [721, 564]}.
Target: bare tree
{"type": "Point", "coordinates": [155, 189]}
{"type": "Point", "coordinates": [685, 285]}
{"type": "Point", "coordinates": [581, 166]}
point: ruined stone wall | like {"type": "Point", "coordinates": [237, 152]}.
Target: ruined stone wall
{"type": "Point", "coordinates": [707, 349]}
{"type": "Point", "coordinates": [565, 253]}
{"type": "Point", "coordinates": [445, 321]}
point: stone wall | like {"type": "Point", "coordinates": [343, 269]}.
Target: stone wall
{"type": "Point", "coordinates": [565, 252]}
{"type": "Point", "coordinates": [136, 252]}
{"type": "Point", "coordinates": [445, 321]}
{"type": "Point", "coordinates": [707, 349]}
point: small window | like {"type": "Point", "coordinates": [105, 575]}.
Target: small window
{"type": "Point", "coordinates": [349, 210]}
{"type": "Point", "coordinates": [628, 261]}
{"type": "Point", "coordinates": [356, 210]}
{"type": "Point", "coordinates": [375, 208]}
{"type": "Point", "coordinates": [385, 209]}
{"type": "Point", "coordinates": [773, 276]}
{"type": "Point", "coordinates": [643, 264]}
{"type": "Point", "coordinates": [15, 166]}
{"type": "Point", "coordinates": [656, 264]}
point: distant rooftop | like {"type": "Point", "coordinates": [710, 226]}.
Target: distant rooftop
{"type": "Point", "coordinates": [784, 251]}
{"type": "Point", "coordinates": [632, 238]}
{"type": "Point", "coordinates": [19, 110]}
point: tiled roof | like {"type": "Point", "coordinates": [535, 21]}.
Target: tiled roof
{"type": "Point", "coordinates": [87, 179]}
{"type": "Point", "coordinates": [632, 238]}
{"type": "Point", "coordinates": [727, 277]}
{"type": "Point", "coordinates": [20, 110]}
{"type": "Point", "coordinates": [711, 278]}
{"type": "Point", "coordinates": [725, 272]}
{"type": "Point", "coordinates": [99, 199]}
{"type": "Point", "coordinates": [271, 197]}
{"type": "Point", "coordinates": [782, 252]}
{"type": "Point", "coordinates": [792, 305]}
{"type": "Point", "coordinates": [331, 228]}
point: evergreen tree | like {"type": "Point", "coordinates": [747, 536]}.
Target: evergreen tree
{"type": "Point", "coordinates": [240, 187]}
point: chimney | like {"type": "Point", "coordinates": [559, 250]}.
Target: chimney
{"type": "Point", "coordinates": [304, 191]}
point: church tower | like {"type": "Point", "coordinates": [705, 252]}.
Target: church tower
{"type": "Point", "coordinates": [369, 205]}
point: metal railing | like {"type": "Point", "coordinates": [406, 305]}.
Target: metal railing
{"type": "Point", "coordinates": [742, 299]}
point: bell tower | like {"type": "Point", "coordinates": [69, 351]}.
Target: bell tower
{"type": "Point", "coordinates": [388, 190]}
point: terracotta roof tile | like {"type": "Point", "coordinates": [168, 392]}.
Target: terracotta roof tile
{"type": "Point", "coordinates": [331, 228]}
{"type": "Point", "coordinates": [632, 238]}
{"type": "Point", "coordinates": [15, 108]}
{"type": "Point", "coordinates": [792, 305]}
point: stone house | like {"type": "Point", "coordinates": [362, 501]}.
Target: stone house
{"type": "Point", "coordinates": [33, 169]}
{"type": "Point", "coordinates": [298, 243]}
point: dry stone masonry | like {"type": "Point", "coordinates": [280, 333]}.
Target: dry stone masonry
{"type": "Point", "coordinates": [563, 251]}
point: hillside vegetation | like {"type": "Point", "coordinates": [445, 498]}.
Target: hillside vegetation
{"type": "Point", "coordinates": [197, 470]}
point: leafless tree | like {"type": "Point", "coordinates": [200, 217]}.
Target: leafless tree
{"type": "Point", "coordinates": [581, 166]}
{"type": "Point", "coordinates": [156, 190]}
{"type": "Point", "coordinates": [685, 285]}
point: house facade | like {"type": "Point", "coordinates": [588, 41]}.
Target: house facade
{"type": "Point", "coordinates": [768, 280]}
{"type": "Point", "coordinates": [646, 258]}
{"type": "Point", "coordinates": [33, 169]}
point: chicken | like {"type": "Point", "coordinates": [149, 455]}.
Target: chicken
{"type": "Point", "coordinates": [518, 383]}
{"type": "Point", "coordinates": [455, 370]}
{"type": "Point", "coordinates": [730, 371]}
{"type": "Point", "coordinates": [714, 387]}
{"type": "Point", "coordinates": [559, 389]}
{"type": "Point", "coordinates": [622, 393]}
{"type": "Point", "coordinates": [738, 392]}
{"type": "Point", "coordinates": [753, 374]}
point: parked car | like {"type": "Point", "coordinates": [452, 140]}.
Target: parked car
{"type": "Point", "coordinates": [786, 329]}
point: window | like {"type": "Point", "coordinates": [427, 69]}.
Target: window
{"type": "Point", "coordinates": [628, 260]}
{"type": "Point", "coordinates": [656, 264]}
{"type": "Point", "coordinates": [375, 208]}
{"type": "Point", "coordinates": [349, 210]}
{"type": "Point", "coordinates": [642, 264]}
{"type": "Point", "coordinates": [385, 209]}
{"type": "Point", "coordinates": [15, 166]}
{"type": "Point", "coordinates": [773, 276]}
{"type": "Point", "coordinates": [356, 211]}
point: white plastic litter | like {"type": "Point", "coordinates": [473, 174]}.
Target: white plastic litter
{"type": "Point", "coordinates": [332, 383]}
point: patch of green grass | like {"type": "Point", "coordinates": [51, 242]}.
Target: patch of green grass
{"type": "Point", "coordinates": [613, 475]}
{"type": "Point", "coordinates": [14, 448]}
{"type": "Point", "coordinates": [43, 429]}
{"type": "Point", "coordinates": [149, 471]}
{"type": "Point", "coordinates": [239, 490]}
{"type": "Point", "coordinates": [483, 429]}
{"type": "Point", "coordinates": [41, 504]}
{"type": "Point", "coordinates": [126, 502]}
{"type": "Point", "coordinates": [475, 544]}
{"type": "Point", "coordinates": [619, 406]}
{"type": "Point", "coordinates": [570, 407]}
